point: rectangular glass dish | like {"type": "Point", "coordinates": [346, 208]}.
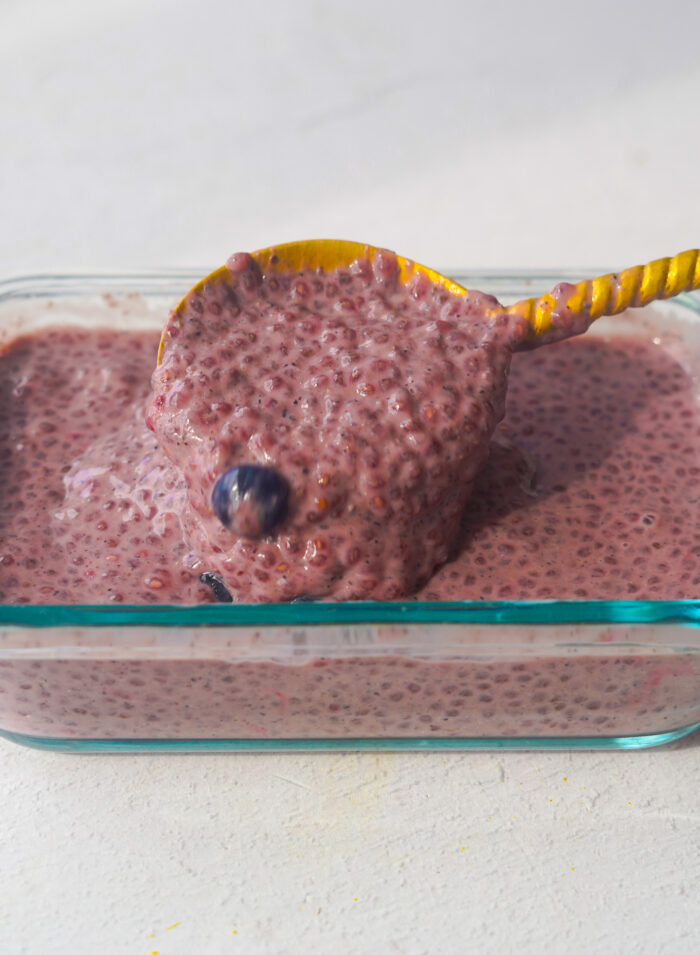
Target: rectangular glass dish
{"type": "Point", "coordinates": [361, 675]}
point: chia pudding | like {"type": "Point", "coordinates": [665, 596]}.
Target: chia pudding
{"type": "Point", "coordinates": [380, 406]}
{"type": "Point", "coordinates": [373, 401]}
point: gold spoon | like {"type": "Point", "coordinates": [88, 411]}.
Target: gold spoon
{"type": "Point", "coordinates": [243, 496]}
{"type": "Point", "coordinates": [586, 301]}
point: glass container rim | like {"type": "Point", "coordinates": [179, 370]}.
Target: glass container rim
{"type": "Point", "coordinates": [41, 284]}
{"type": "Point", "coordinates": [502, 613]}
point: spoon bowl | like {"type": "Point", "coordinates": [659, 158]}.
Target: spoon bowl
{"type": "Point", "coordinates": [310, 255]}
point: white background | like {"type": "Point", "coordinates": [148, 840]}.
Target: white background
{"type": "Point", "coordinates": [463, 134]}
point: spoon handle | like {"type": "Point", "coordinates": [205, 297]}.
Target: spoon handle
{"type": "Point", "coordinates": [569, 309]}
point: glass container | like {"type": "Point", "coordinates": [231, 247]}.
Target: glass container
{"type": "Point", "coordinates": [353, 676]}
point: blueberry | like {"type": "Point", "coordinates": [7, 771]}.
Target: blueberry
{"type": "Point", "coordinates": [250, 500]}
{"type": "Point", "coordinates": [218, 587]}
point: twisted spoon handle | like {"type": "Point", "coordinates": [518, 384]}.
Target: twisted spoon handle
{"type": "Point", "coordinates": [606, 295]}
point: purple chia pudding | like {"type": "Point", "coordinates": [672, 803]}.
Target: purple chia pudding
{"type": "Point", "coordinates": [379, 406]}
{"type": "Point", "coordinates": [352, 696]}
{"type": "Point", "coordinates": [372, 400]}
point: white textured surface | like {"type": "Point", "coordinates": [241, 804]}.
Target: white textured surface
{"type": "Point", "coordinates": [355, 854]}
{"type": "Point", "coordinates": [496, 135]}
